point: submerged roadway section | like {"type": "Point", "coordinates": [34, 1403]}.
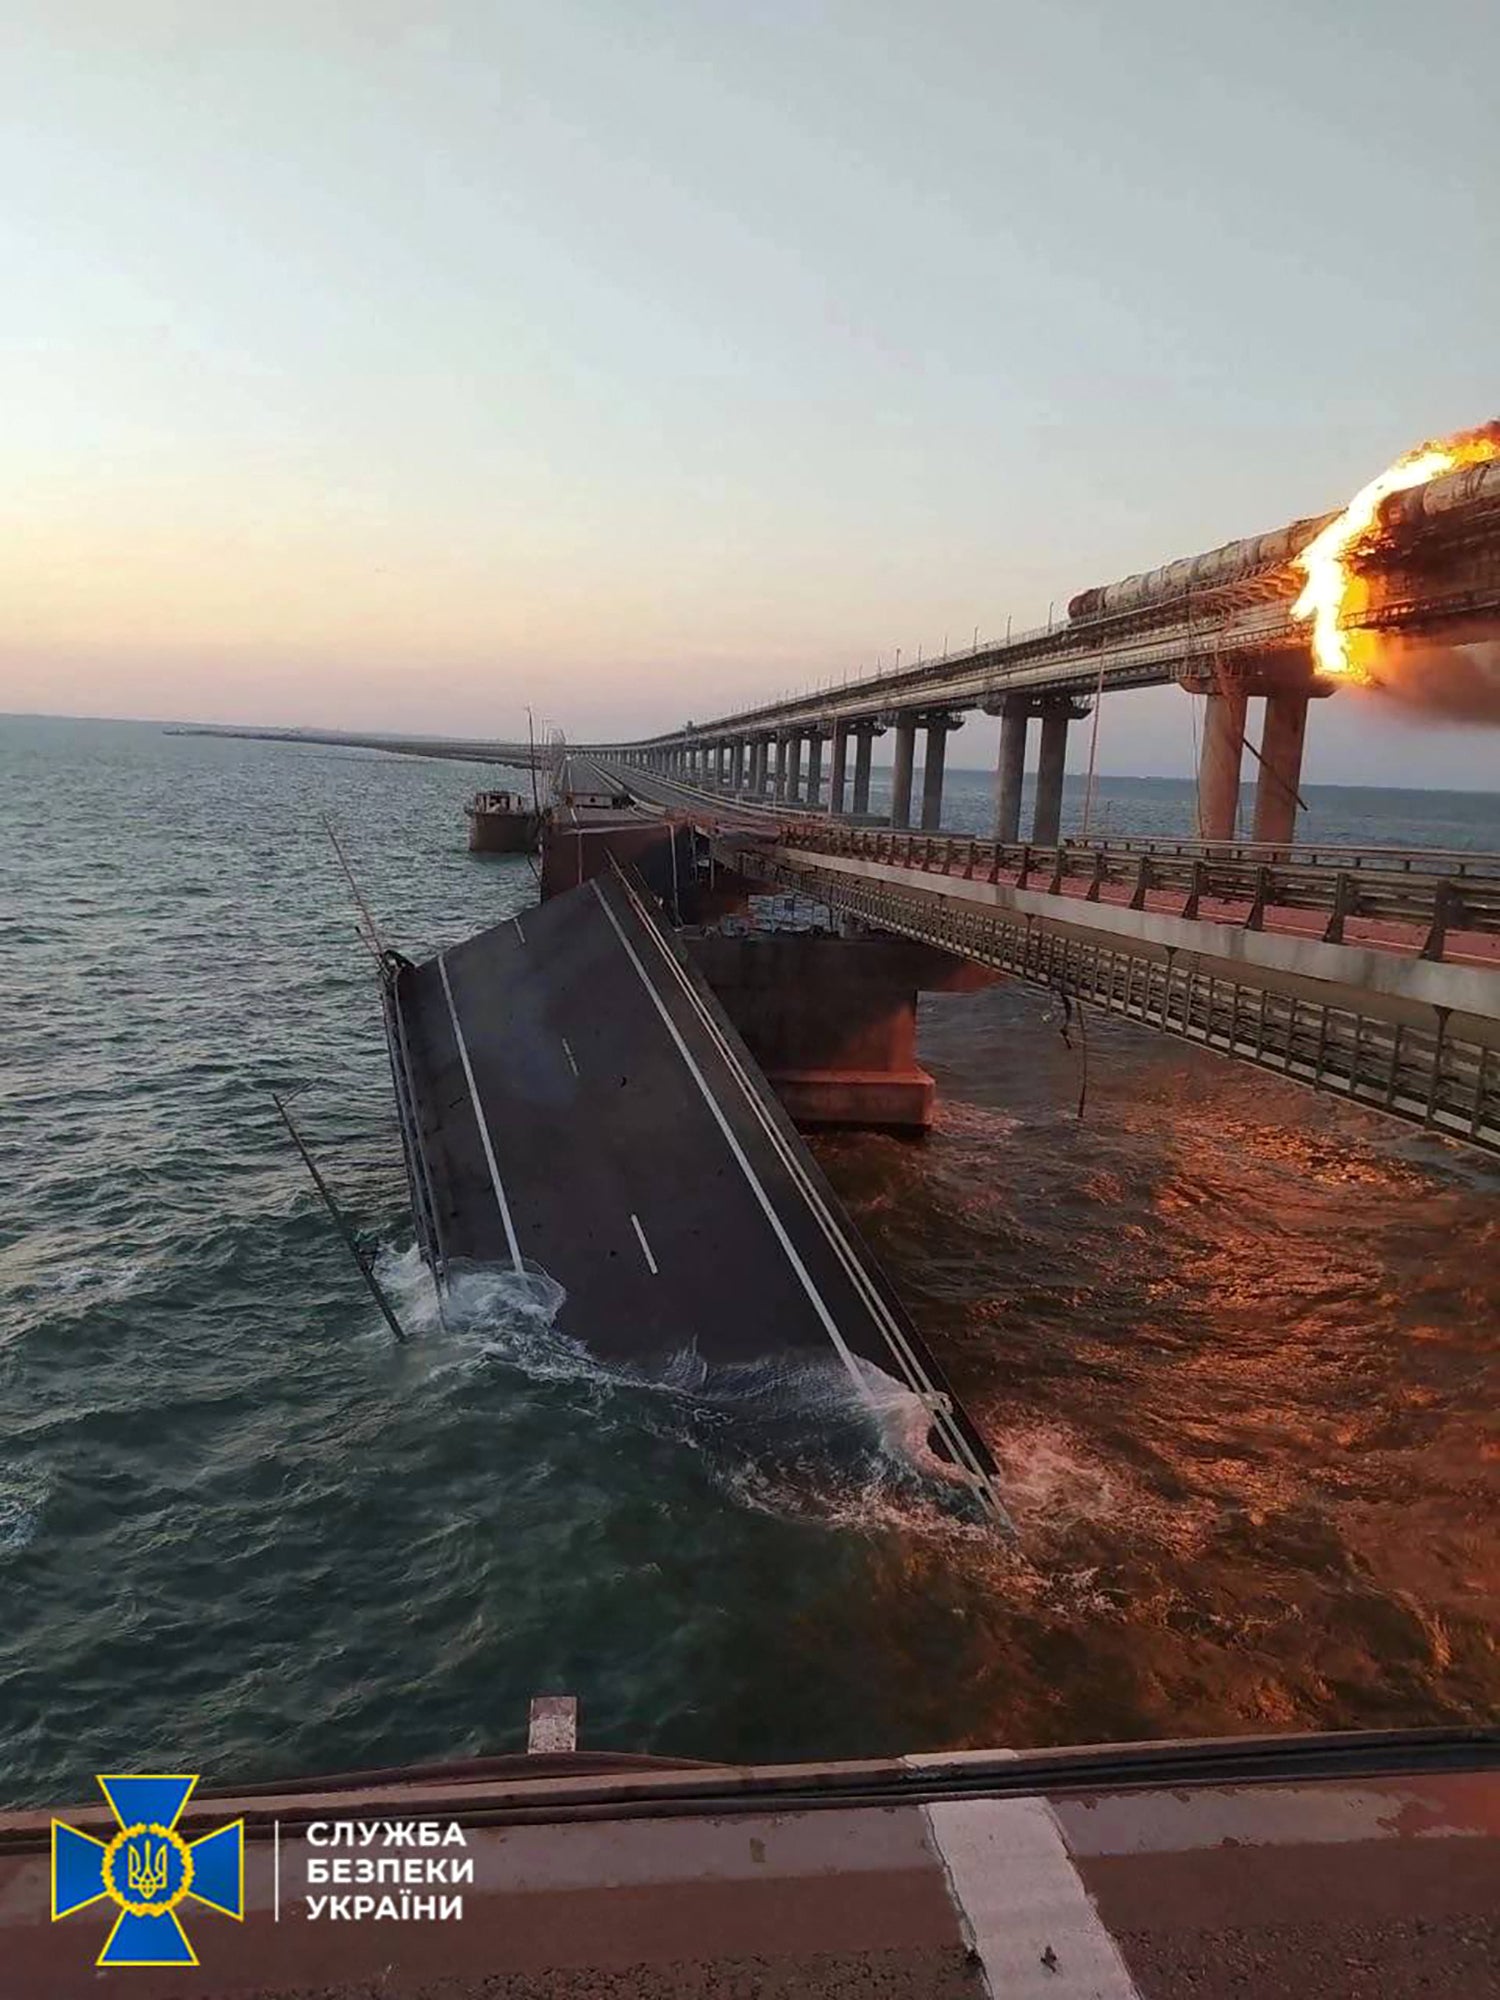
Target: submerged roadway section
{"type": "Point", "coordinates": [582, 1108]}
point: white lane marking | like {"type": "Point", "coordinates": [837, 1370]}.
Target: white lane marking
{"type": "Point", "coordinates": [895, 1338]}
{"type": "Point", "coordinates": [479, 1119]}
{"type": "Point", "coordinates": [1029, 1918]}
{"type": "Point", "coordinates": [519, 932]}
{"type": "Point", "coordinates": [645, 1246]}
{"type": "Point", "coordinates": [830, 1325]}
{"type": "Point", "coordinates": [568, 1052]}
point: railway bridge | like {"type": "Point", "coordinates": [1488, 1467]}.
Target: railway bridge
{"type": "Point", "coordinates": [1220, 625]}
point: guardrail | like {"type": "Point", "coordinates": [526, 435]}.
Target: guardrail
{"type": "Point", "coordinates": [1187, 875]}
{"type": "Point", "coordinates": [1424, 1076]}
{"type": "Point", "coordinates": [1387, 860]}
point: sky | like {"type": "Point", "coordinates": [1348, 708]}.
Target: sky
{"type": "Point", "coordinates": [393, 367]}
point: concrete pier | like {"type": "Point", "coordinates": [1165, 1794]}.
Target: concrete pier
{"type": "Point", "coordinates": [864, 738]}
{"type": "Point", "coordinates": [814, 767]}
{"type": "Point", "coordinates": [1219, 763]}
{"type": "Point", "coordinates": [838, 759]}
{"type": "Point", "coordinates": [1010, 771]}
{"type": "Point", "coordinates": [1046, 822]}
{"type": "Point", "coordinates": [1280, 774]}
{"type": "Point", "coordinates": [792, 751]}
{"type": "Point", "coordinates": [938, 728]}
{"type": "Point", "coordinates": [831, 1021]}
{"type": "Point", "coordinates": [906, 744]}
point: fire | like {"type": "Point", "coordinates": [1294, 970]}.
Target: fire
{"type": "Point", "coordinates": [1324, 562]}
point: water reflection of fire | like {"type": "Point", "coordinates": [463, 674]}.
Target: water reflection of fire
{"type": "Point", "coordinates": [1325, 560]}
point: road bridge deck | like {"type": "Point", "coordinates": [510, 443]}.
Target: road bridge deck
{"type": "Point", "coordinates": [579, 1106]}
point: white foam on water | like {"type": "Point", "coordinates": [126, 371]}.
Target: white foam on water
{"type": "Point", "coordinates": [20, 1513]}
{"type": "Point", "coordinates": [791, 1435]}
{"type": "Point", "coordinates": [1051, 1481]}
{"type": "Point", "coordinates": [92, 1283]}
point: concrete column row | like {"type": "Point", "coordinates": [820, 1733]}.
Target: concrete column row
{"type": "Point", "coordinates": [775, 763]}
{"type": "Point", "coordinates": [1279, 775]}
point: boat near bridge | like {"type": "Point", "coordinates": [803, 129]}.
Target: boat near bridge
{"type": "Point", "coordinates": [500, 823]}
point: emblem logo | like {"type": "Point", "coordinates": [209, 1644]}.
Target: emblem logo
{"type": "Point", "coordinates": [148, 1870]}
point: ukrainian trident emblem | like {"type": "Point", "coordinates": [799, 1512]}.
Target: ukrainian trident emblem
{"type": "Point", "coordinates": [148, 1870]}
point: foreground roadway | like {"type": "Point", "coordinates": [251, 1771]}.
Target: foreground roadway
{"type": "Point", "coordinates": [579, 1108]}
{"type": "Point", "coordinates": [1359, 1868]}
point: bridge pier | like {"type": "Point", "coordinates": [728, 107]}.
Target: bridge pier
{"type": "Point", "coordinates": [737, 764]}
{"type": "Point", "coordinates": [1280, 778]}
{"type": "Point", "coordinates": [778, 783]}
{"type": "Point", "coordinates": [1219, 762]}
{"type": "Point", "coordinates": [1052, 757]}
{"type": "Point", "coordinates": [906, 744]}
{"type": "Point", "coordinates": [814, 766]}
{"type": "Point", "coordinates": [864, 738]}
{"type": "Point", "coordinates": [792, 752]}
{"type": "Point", "coordinates": [832, 1022]}
{"type": "Point", "coordinates": [934, 758]}
{"type": "Point", "coordinates": [837, 762]}
{"type": "Point", "coordinates": [1010, 771]}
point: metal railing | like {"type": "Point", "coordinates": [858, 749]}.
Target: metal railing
{"type": "Point", "coordinates": [1241, 884]}
{"type": "Point", "coordinates": [1426, 1076]}
{"type": "Point", "coordinates": [1389, 860]}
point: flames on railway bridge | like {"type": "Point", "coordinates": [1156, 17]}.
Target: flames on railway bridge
{"type": "Point", "coordinates": [1444, 681]}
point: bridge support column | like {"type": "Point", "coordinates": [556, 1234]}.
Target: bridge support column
{"type": "Point", "coordinates": [837, 760]}
{"type": "Point", "coordinates": [737, 765]}
{"type": "Point", "coordinates": [1052, 758]}
{"type": "Point", "coordinates": [1280, 778]}
{"type": "Point", "coordinates": [863, 741]}
{"type": "Point", "coordinates": [814, 767]}
{"type": "Point", "coordinates": [1219, 764]}
{"type": "Point", "coordinates": [933, 761]}
{"type": "Point", "coordinates": [1010, 772]}
{"type": "Point", "coordinates": [778, 790]}
{"type": "Point", "coordinates": [791, 751]}
{"type": "Point", "coordinates": [906, 744]}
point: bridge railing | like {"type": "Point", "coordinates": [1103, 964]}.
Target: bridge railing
{"type": "Point", "coordinates": [1426, 1075]}
{"type": "Point", "coordinates": [1194, 881]}
{"type": "Point", "coordinates": [1380, 860]}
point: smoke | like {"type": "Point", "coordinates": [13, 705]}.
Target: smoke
{"type": "Point", "coordinates": [1441, 683]}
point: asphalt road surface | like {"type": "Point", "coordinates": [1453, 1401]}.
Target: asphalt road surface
{"type": "Point", "coordinates": [586, 1110]}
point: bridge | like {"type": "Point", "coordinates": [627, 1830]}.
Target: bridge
{"type": "Point", "coordinates": [1219, 625]}
{"type": "Point", "coordinates": [1370, 973]}
{"type": "Point", "coordinates": [1367, 973]}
